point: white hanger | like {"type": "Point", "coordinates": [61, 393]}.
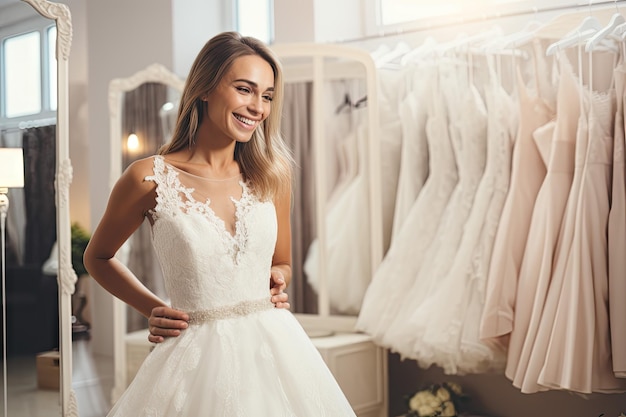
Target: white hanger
{"type": "Point", "coordinates": [421, 51]}
{"type": "Point", "coordinates": [514, 39]}
{"type": "Point", "coordinates": [587, 28]}
{"type": "Point", "coordinates": [381, 50]}
{"type": "Point", "coordinates": [400, 49]}
{"type": "Point", "coordinates": [464, 40]}
{"type": "Point", "coordinates": [602, 34]}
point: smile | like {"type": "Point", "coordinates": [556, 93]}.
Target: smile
{"type": "Point", "coordinates": [245, 120]}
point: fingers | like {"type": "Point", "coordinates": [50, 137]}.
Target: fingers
{"type": "Point", "coordinates": [166, 322]}
{"type": "Point", "coordinates": [168, 312]}
{"type": "Point", "coordinates": [280, 300]}
{"type": "Point", "coordinates": [282, 305]}
{"type": "Point", "coordinates": [277, 282]}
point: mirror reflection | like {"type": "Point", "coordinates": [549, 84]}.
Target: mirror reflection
{"type": "Point", "coordinates": [28, 121]}
{"type": "Point", "coordinates": [147, 118]}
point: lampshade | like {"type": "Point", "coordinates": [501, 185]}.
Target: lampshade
{"type": "Point", "coordinates": [11, 168]}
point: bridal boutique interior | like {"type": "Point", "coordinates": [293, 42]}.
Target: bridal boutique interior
{"type": "Point", "coordinates": [464, 220]}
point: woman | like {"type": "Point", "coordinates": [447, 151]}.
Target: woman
{"type": "Point", "coordinates": [218, 199]}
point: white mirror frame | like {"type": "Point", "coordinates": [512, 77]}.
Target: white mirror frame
{"type": "Point", "coordinates": [155, 73]}
{"type": "Point", "coordinates": [66, 276]}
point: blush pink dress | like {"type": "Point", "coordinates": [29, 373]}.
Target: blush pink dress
{"type": "Point", "coordinates": [557, 152]}
{"type": "Point", "coordinates": [575, 329]}
{"type": "Point", "coordinates": [617, 233]}
{"type": "Point", "coordinates": [528, 172]}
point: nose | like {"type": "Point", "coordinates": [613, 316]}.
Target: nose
{"type": "Point", "coordinates": [256, 104]}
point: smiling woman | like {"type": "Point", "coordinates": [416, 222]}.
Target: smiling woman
{"type": "Point", "coordinates": [217, 197]}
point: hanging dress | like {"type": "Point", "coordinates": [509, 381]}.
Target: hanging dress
{"type": "Point", "coordinates": [557, 151]}
{"type": "Point", "coordinates": [413, 113]}
{"type": "Point", "coordinates": [468, 133]}
{"type": "Point", "coordinates": [396, 273]}
{"type": "Point", "coordinates": [575, 324]}
{"type": "Point", "coordinates": [527, 175]}
{"type": "Point", "coordinates": [454, 305]}
{"type": "Point", "coordinates": [617, 233]}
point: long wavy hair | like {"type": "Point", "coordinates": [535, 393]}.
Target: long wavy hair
{"type": "Point", "coordinates": [265, 161]}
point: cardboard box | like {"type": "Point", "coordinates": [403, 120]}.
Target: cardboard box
{"type": "Point", "coordinates": [48, 372]}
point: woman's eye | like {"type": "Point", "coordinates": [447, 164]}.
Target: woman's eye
{"type": "Point", "coordinates": [243, 89]}
{"type": "Point", "coordinates": [268, 98]}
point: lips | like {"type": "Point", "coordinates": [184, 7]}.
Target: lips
{"type": "Point", "coordinates": [244, 120]}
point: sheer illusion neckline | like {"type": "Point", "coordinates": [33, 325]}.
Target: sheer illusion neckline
{"type": "Point", "coordinates": [188, 203]}
{"type": "Point", "coordinates": [200, 177]}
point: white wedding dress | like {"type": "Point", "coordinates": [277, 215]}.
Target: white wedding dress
{"type": "Point", "coordinates": [240, 356]}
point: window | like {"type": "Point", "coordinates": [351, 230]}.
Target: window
{"type": "Point", "coordinates": [28, 72]}
{"type": "Point", "coordinates": [410, 14]}
{"type": "Point", "coordinates": [254, 18]}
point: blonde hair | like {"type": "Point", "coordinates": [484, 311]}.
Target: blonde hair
{"type": "Point", "coordinates": [265, 161]}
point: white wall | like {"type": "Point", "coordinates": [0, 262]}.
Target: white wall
{"type": "Point", "coordinates": [123, 38]}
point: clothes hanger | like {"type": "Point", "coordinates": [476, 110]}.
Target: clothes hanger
{"type": "Point", "coordinates": [420, 52]}
{"type": "Point", "coordinates": [587, 28]}
{"type": "Point", "coordinates": [464, 40]}
{"type": "Point", "coordinates": [400, 49]}
{"type": "Point", "coordinates": [605, 32]}
{"type": "Point", "coordinates": [515, 39]}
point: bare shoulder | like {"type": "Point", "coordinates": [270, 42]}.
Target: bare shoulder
{"type": "Point", "coordinates": [132, 186]}
{"type": "Point", "coordinates": [141, 168]}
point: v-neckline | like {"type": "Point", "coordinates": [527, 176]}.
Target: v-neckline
{"type": "Point", "coordinates": [205, 206]}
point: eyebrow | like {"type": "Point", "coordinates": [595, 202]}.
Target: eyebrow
{"type": "Point", "coordinates": [252, 83]}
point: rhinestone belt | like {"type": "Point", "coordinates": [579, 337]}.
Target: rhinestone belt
{"type": "Point", "coordinates": [231, 311]}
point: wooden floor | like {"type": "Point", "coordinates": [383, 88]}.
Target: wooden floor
{"type": "Point", "coordinates": [92, 381]}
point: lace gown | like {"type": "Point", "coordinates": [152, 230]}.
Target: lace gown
{"type": "Point", "coordinates": [240, 356]}
{"type": "Point", "coordinates": [387, 291]}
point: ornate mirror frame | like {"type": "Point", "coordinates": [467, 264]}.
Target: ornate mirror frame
{"type": "Point", "coordinates": [154, 73]}
{"type": "Point", "coordinates": [66, 276]}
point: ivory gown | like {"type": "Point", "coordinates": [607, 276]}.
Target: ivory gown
{"type": "Point", "coordinates": [240, 356]}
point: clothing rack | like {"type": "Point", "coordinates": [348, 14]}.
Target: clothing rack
{"type": "Point", "coordinates": [580, 8]}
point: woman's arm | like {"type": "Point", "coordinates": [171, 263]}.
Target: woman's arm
{"type": "Point", "coordinates": [129, 201]}
{"type": "Point", "coordinates": [280, 275]}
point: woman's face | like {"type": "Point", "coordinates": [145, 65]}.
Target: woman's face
{"type": "Point", "coordinates": [242, 100]}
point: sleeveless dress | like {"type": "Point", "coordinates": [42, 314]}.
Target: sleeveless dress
{"type": "Point", "coordinates": [527, 174]}
{"type": "Point", "coordinates": [575, 327]}
{"type": "Point", "coordinates": [386, 292]}
{"type": "Point", "coordinates": [557, 151]}
{"type": "Point", "coordinates": [617, 230]}
{"type": "Point", "coordinates": [452, 311]}
{"type": "Point", "coordinates": [468, 134]}
{"type": "Point", "coordinates": [240, 356]}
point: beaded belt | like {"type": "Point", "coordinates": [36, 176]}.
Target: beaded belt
{"type": "Point", "coordinates": [231, 311]}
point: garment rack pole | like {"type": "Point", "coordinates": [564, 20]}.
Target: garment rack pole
{"type": "Point", "coordinates": [462, 21]}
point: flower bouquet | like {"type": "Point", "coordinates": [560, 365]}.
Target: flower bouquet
{"type": "Point", "coordinates": [437, 400]}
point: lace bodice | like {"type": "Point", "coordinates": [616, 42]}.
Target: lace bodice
{"type": "Point", "coordinates": [206, 265]}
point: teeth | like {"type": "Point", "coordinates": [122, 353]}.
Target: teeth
{"type": "Point", "coordinates": [243, 119]}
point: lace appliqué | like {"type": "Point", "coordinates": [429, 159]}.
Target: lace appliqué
{"type": "Point", "coordinates": [227, 312]}
{"type": "Point", "coordinates": [174, 198]}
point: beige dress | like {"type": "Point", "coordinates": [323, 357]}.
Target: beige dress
{"type": "Point", "coordinates": [528, 172]}
{"type": "Point", "coordinates": [536, 269]}
{"type": "Point", "coordinates": [617, 234]}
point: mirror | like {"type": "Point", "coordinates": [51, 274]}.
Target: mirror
{"type": "Point", "coordinates": [143, 110]}
{"type": "Point", "coordinates": [45, 139]}
{"type": "Point", "coordinates": [329, 91]}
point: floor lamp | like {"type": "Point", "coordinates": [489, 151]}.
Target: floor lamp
{"type": "Point", "coordinates": [11, 176]}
